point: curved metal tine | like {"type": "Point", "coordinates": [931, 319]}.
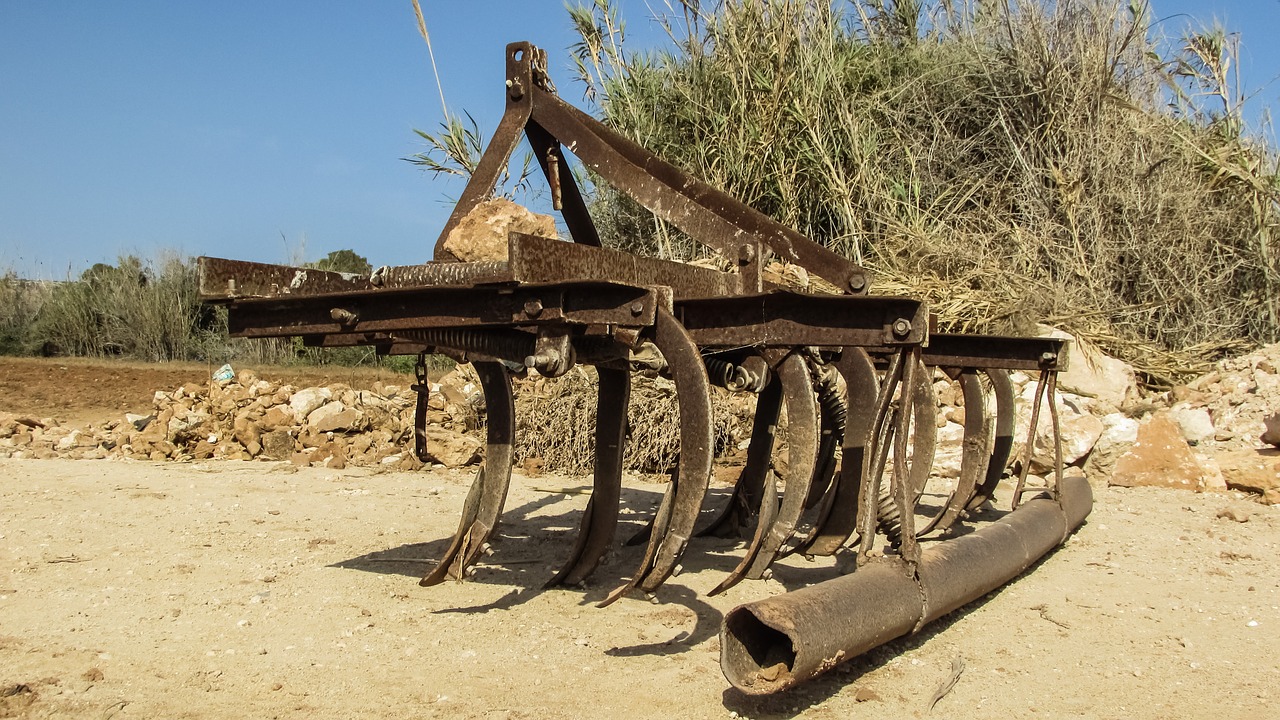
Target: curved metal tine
{"type": "Point", "coordinates": [768, 514]}
{"type": "Point", "coordinates": [1057, 433]}
{"type": "Point", "coordinates": [600, 518]}
{"type": "Point", "coordinates": [974, 457]}
{"type": "Point", "coordinates": [1002, 447]}
{"type": "Point", "coordinates": [881, 432]}
{"type": "Point", "coordinates": [924, 439]}
{"type": "Point", "coordinates": [837, 516]}
{"type": "Point", "coordinates": [832, 418]}
{"type": "Point", "coordinates": [689, 486]}
{"type": "Point", "coordinates": [1030, 447]}
{"type": "Point", "coordinates": [777, 522]}
{"type": "Point", "coordinates": [802, 462]}
{"type": "Point", "coordinates": [743, 508]}
{"type": "Point", "coordinates": [489, 491]}
{"type": "Point", "coordinates": [900, 484]}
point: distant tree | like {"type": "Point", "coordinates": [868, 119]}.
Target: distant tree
{"type": "Point", "coordinates": [346, 261]}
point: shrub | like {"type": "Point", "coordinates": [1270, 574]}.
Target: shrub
{"type": "Point", "coordinates": [1012, 162]}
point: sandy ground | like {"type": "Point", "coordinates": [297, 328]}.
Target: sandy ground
{"type": "Point", "coordinates": [231, 589]}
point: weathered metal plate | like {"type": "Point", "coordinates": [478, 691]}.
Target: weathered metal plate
{"type": "Point", "coordinates": [422, 308]}
{"type": "Point", "coordinates": [537, 259]}
{"type": "Point", "coordinates": [231, 279]}
{"type": "Point", "coordinates": [790, 319]}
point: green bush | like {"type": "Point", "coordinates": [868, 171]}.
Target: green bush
{"type": "Point", "coordinates": [20, 303]}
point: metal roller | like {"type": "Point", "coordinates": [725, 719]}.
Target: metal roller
{"type": "Point", "coordinates": [772, 644]}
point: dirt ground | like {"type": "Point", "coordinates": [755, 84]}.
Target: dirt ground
{"type": "Point", "coordinates": [255, 589]}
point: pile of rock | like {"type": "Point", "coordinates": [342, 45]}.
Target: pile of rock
{"type": "Point", "coordinates": [248, 418]}
{"type": "Point", "coordinates": [1202, 436]}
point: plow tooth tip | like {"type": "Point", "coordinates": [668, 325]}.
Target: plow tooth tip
{"type": "Point", "coordinates": [683, 500]}
{"type": "Point", "coordinates": [488, 492]}
{"type": "Point", "coordinates": [600, 518]}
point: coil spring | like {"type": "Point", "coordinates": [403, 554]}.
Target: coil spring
{"type": "Point", "coordinates": [888, 519]}
{"type": "Point", "coordinates": [509, 345]}
{"type": "Point", "coordinates": [720, 372]}
{"type": "Point", "coordinates": [832, 406]}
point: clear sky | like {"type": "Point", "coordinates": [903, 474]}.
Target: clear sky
{"type": "Point", "coordinates": [257, 130]}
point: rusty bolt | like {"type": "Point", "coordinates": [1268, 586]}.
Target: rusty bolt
{"type": "Point", "coordinates": [1049, 358]}
{"type": "Point", "coordinates": [901, 327]}
{"type": "Point", "coordinates": [344, 316]}
{"type": "Point", "coordinates": [746, 253]}
{"type": "Point", "coordinates": [636, 308]}
{"type": "Point", "coordinates": [857, 282]}
{"type": "Point", "coordinates": [533, 308]}
{"type": "Point", "coordinates": [514, 89]}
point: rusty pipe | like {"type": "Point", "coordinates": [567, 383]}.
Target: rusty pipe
{"type": "Point", "coordinates": [772, 644]}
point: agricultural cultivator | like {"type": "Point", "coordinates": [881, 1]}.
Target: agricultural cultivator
{"type": "Point", "coordinates": [853, 372]}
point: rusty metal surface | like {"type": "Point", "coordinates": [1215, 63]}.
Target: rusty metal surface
{"type": "Point", "coordinates": [787, 319]}
{"type": "Point", "coordinates": [489, 491]}
{"type": "Point", "coordinates": [678, 513]}
{"type": "Point", "coordinates": [422, 308]}
{"type": "Point", "coordinates": [740, 513]}
{"type": "Point", "coordinates": [837, 517]}
{"type": "Point", "coordinates": [539, 260]}
{"type": "Point", "coordinates": [600, 518]}
{"type": "Point", "coordinates": [553, 304]}
{"type": "Point", "coordinates": [978, 429]}
{"type": "Point", "coordinates": [441, 274]}
{"type": "Point", "coordinates": [706, 214]}
{"type": "Point", "coordinates": [775, 521]}
{"type": "Point", "coordinates": [994, 351]}
{"type": "Point", "coordinates": [222, 280]}
{"type": "Point", "coordinates": [506, 137]}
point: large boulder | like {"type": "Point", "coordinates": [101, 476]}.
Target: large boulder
{"type": "Point", "coordinates": [1094, 374]}
{"type": "Point", "coordinates": [1119, 433]}
{"type": "Point", "coordinates": [482, 234]}
{"type": "Point", "coordinates": [1159, 457]}
{"type": "Point", "coordinates": [335, 416]}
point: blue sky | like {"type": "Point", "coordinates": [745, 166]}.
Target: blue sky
{"type": "Point", "coordinates": [259, 130]}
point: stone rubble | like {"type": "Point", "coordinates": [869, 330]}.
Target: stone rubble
{"type": "Point", "coordinates": [248, 418]}
{"type": "Point", "coordinates": [1213, 434]}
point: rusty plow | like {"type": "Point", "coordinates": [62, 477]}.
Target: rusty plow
{"type": "Point", "coordinates": [844, 384]}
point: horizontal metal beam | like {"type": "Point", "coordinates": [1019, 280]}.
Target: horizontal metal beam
{"type": "Point", "coordinates": [983, 352]}
{"type": "Point", "coordinates": [791, 319]}
{"type": "Point", "coordinates": [537, 259]}
{"type": "Point", "coordinates": [988, 352]}
{"type": "Point", "coordinates": [422, 308]}
{"type": "Point", "coordinates": [222, 280]}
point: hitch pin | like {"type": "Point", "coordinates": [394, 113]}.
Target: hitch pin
{"type": "Point", "coordinates": [553, 176]}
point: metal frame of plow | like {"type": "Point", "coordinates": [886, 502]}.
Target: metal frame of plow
{"type": "Point", "coordinates": [553, 304]}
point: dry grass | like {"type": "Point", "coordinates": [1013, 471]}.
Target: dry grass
{"type": "Point", "coordinates": [556, 420]}
{"type": "Point", "coordinates": [1014, 163]}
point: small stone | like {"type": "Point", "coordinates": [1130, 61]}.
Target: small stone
{"type": "Point", "coordinates": [1271, 435]}
{"type": "Point", "coordinates": [304, 402]}
{"type": "Point", "coordinates": [866, 694]}
{"type": "Point", "coordinates": [1232, 512]}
